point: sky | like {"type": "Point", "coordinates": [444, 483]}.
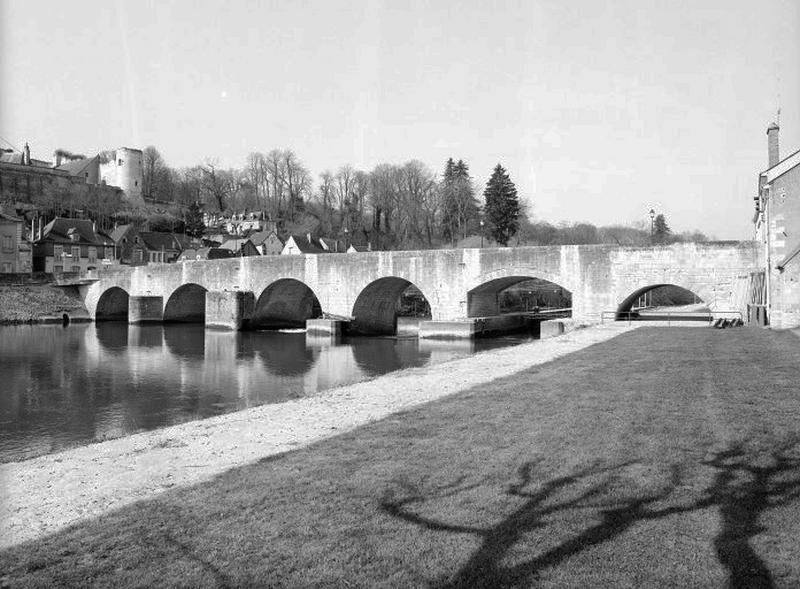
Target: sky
{"type": "Point", "coordinates": [599, 111]}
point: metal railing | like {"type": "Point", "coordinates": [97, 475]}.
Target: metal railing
{"type": "Point", "coordinates": [708, 316]}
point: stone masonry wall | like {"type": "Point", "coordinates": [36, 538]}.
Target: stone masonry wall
{"type": "Point", "coordinates": [599, 277]}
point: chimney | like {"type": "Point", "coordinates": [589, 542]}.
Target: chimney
{"type": "Point", "coordinates": [26, 155]}
{"type": "Point", "coordinates": [772, 144]}
{"type": "Point", "coordinates": [57, 158]}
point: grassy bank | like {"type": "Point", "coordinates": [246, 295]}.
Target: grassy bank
{"type": "Point", "coordinates": [665, 457]}
{"type": "Point", "coordinates": [23, 304]}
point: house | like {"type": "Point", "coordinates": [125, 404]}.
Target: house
{"type": "Point", "coordinates": [240, 247]}
{"type": "Point", "coordinates": [71, 245]}
{"type": "Point", "coordinates": [204, 253]}
{"type": "Point", "coordinates": [353, 249]}
{"type": "Point", "coordinates": [136, 247]}
{"type": "Point", "coordinates": [267, 242]}
{"type": "Point", "coordinates": [15, 251]}
{"type": "Point", "coordinates": [302, 244]}
{"type": "Point", "coordinates": [777, 223]}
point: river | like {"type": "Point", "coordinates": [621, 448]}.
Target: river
{"type": "Point", "coordinates": [62, 387]}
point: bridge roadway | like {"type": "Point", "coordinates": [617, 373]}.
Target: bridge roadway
{"type": "Point", "coordinates": [462, 286]}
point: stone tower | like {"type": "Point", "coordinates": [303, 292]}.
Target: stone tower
{"type": "Point", "coordinates": [125, 171]}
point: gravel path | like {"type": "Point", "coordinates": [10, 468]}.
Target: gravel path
{"type": "Point", "coordinates": [45, 494]}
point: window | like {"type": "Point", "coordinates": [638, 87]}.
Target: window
{"type": "Point", "coordinates": [58, 251]}
{"type": "Point", "coordinates": [136, 183]}
{"type": "Point", "coordinates": [8, 244]}
{"type": "Point", "coordinates": [75, 269]}
{"type": "Point", "coordinates": [76, 251]}
{"type": "Point", "coordinates": [58, 269]}
{"type": "Point", "coordinates": [119, 162]}
{"type": "Point", "coordinates": [7, 268]}
{"type": "Point", "coordinates": [92, 254]}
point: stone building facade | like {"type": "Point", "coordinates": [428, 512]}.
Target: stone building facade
{"type": "Point", "coordinates": [15, 250]}
{"type": "Point", "coordinates": [777, 222]}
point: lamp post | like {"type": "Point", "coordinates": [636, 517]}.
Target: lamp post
{"type": "Point", "coordinates": [345, 240]}
{"type": "Point", "coordinates": [481, 233]}
{"type": "Point", "coordinates": [652, 214]}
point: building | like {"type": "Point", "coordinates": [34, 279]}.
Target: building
{"type": "Point", "coordinates": [135, 247]}
{"type": "Point", "coordinates": [204, 253]}
{"type": "Point", "coordinates": [777, 222]}
{"type": "Point", "coordinates": [124, 168]}
{"type": "Point", "coordinates": [267, 242]}
{"type": "Point", "coordinates": [23, 178]}
{"type": "Point", "coordinates": [306, 244]}
{"type": "Point", "coordinates": [71, 245]}
{"type": "Point", "coordinates": [15, 250]}
{"type": "Point", "coordinates": [355, 249]}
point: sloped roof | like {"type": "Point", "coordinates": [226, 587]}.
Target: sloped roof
{"type": "Point", "coordinates": [332, 245]}
{"type": "Point", "coordinates": [119, 232]}
{"type": "Point", "coordinates": [184, 241]}
{"type": "Point", "coordinates": [76, 167]}
{"type": "Point", "coordinates": [17, 158]}
{"type": "Point", "coordinates": [205, 253]}
{"type": "Point", "coordinates": [59, 229]}
{"type": "Point", "coordinates": [7, 217]}
{"type": "Point", "coordinates": [157, 241]}
{"type": "Point", "coordinates": [305, 245]}
{"type": "Point", "coordinates": [782, 167]}
{"type": "Point", "coordinates": [260, 237]}
{"type": "Point", "coordinates": [233, 245]}
{"type": "Point", "coordinates": [359, 248]}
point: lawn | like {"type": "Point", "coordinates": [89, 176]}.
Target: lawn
{"type": "Point", "coordinates": [665, 457]}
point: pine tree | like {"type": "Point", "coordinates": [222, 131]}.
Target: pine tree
{"type": "Point", "coordinates": [194, 220]}
{"type": "Point", "coordinates": [661, 231]}
{"type": "Point", "coordinates": [459, 207]}
{"type": "Point", "coordinates": [502, 207]}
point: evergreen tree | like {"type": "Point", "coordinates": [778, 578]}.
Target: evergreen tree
{"type": "Point", "coordinates": [459, 206]}
{"type": "Point", "coordinates": [502, 207]}
{"type": "Point", "coordinates": [661, 231]}
{"type": "Point", "coordinates": [195, 226]}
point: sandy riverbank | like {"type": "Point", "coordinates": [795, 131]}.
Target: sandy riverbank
{"type": "Point", "coordinates": [45, 494]}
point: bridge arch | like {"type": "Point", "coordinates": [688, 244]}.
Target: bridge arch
{"type": "Point", "coordinates": [112, 305]}
{"type": "Point", "coordinates": [186, 304]}
{"type": "Point", "coordinates": [484, 298]}
{"type": "Point", "coordinates": [285, 303]}
{"type": "Point", "coordinates": [670, 295]}
{"type": "Point", "coordinates": [375, 309]}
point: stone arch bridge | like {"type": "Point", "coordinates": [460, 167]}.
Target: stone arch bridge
{"type": "Point", "coordinates": [461, 286]}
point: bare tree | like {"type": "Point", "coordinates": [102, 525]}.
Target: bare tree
{"type": "Point", "coordinates": [217, 184]}
{"type": "Point", "coordinates": [156, 176]}
{"type": "Point", "coordinates": [258, 176]}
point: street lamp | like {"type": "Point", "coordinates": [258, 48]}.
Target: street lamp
{"type": "Point", "coordinates": [652, 214]}
{"type": "Point", "coordinates": [481, 232]}
{"type": "Point", "coordinates": [345, 239]}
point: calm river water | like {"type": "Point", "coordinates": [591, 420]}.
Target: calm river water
{"type": "Point", "coordinates": [62, 387]}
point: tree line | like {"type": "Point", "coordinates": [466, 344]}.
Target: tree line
{"type": "Point", "coordinates": [392, 206]}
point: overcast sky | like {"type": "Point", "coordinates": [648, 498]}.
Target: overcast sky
{"type": "Point", "coordinates": [598, 110]}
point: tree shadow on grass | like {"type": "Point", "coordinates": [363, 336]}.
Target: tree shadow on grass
{"type": "Point", "coordinates": [743, 488]}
